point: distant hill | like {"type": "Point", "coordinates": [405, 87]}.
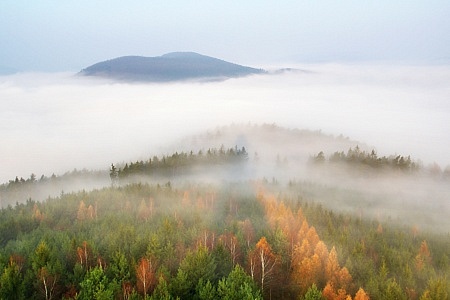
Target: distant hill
{"type": "Point", "coordinates": [176, 66]}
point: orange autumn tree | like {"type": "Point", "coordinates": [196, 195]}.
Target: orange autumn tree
{"type": "Point", "coordinates": [280, 216]}
{"type": "Point", "coordinates": [84, 255]}
{"type": "Point", "coordinates": [308, 260]}
{"type": "Point", "coordinates": [361, 295]}
{"type": "Point", "coordinates": [306, 273]}
{"type": "Point", "coordinates": [423, 257]}
{"type": "Point", "coordinates": [338, 279]}
{"type": "Point", "coordinates": [311, 263]}
{"type": "Point", "coordinates": [332, 268]}
{"type": "Point", "coordinates": [145, 276]}
{"type": "Point", "coordinates": [86, 213]}
{"type": "Point", "coordinates": [82, 210]}
{"type": "Point", "coordinates": [329, 292]}
{"type": "Point", "coordinates": [264, 266]}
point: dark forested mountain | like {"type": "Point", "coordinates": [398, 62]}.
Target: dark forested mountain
{"type": "Point", "coordinates": [169, 67]}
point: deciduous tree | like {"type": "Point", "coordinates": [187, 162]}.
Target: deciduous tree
{"type": "Point", "coordinates": [361, 295]}
{"type": "Point", "coordinates": [332, 267]}
{"type": "Point", "coordinates": [84, 255]}
{"type": "Point", "coordinates": [264, 266]}
{"type": "Point", "coordinates": [48, 282]}
{"type": "Point", "coordinates": [423, 257]}
{"type": "Point", "coordinates": [230, 242]}
{"type": "Point", "coordinates": [145, 276]}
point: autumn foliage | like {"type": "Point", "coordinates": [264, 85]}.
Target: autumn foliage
{"type": "Point", "coordinates": [145, 276]}
{"type": "Point", "coordinates": [264, 266]}
{"type": "Point", "coordinates": [160, 242]}
{"type": "Point", "coordinates": [311, 262]}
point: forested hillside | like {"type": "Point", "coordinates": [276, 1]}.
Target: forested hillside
{"type": "Point", "coordinates": [194, 241]}
{"type": "Point", "coordinates": [240, 222]}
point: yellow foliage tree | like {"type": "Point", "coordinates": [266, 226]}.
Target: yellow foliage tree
{"type": "Point", "coordinates": [361, 295]}
{"type": "Point", "coordinates": [82, 210]}
{"type": "Point", "coordinates": [423, 257]}
{"type": "Point", "coordinates": [332, 267]}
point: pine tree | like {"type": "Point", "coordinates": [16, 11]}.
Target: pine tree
{"type": "Point", "coordinates": [313, 293]}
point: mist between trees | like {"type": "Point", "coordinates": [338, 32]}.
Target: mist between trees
{"type": "Point", "coordinates": [272, 217]}
{"type": "Point", "coordinates": [208, 241]}
{"type": "Point", "coordinates": [390, 187]}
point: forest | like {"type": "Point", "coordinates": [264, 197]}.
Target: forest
{"type": "Point", "coordinates": [156, 229]}
{"type": "Point", "coordinates": [253, 240]}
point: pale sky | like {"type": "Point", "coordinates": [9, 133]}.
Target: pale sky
{"type": "Point", "coordinates": [70, 35]}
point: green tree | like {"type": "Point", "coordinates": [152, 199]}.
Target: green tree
{"type": "Point", "coordinates": [180, 286]}
{"type": "Point", "coordinates": [41, 256]}
{"type": "Point", "coordinates": [119, 273]}
{"type": "Point", "coordinates": [11, 286]}
{"type": "Point", "coordinates": [223, 261]}
{"type": "Point", "coordinates": [238, 285]}
{"type": "Point", "coordinates": [119, 267]}
{"type": "Point", "coordinates": [313, 293]}
{"type": "Point", "coordinates": [206, 291]}
{"type": "Point", "coordinates": [114, 174]}
{"type": "Point", "coordinates": [95, 286]}
{"type": "Point", "coordinates": [197, 265]}
{"type": "Point", "coordinates": [436, 289]}
{"type": "Point", "coordinates": [161, 291]}
{"type": "Point", "coordinates": [394, 291]}
{"type": "Point", "coordinates": [46, 269]}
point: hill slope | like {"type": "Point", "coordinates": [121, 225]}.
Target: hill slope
{"type": "Point", "coordinates": [169, 67]}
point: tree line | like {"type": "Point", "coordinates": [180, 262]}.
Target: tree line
{"type": "Point", "coordinates": [365, 160]}
{"type": "Point", "coordinates": [179, 163]}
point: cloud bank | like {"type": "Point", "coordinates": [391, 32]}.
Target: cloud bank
{"type": "Point", "coordinates": [58, 122]}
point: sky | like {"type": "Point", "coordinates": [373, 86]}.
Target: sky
{"type": "Point", "coordinates": [69, 35]}
{"type": "Point", "coordinates": [378, 72]}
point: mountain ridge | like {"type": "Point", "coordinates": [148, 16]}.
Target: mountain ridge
{"type": "Point", "coordinates": [173, 66]}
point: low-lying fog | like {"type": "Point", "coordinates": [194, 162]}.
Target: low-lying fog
{"type": "Point", "coordinates": [53, 123]}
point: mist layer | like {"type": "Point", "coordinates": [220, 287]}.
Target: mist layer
{"type": "Point", "coordinates": [52, 123]}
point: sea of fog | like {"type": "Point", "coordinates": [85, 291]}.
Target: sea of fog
{"type": "Point", "coordinates": [53, 123]}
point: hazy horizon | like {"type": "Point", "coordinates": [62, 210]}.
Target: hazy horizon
{"type": "Point", "coordinates": [72, 35]}
{"type": "Point", "coordinates": [55, 122]}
